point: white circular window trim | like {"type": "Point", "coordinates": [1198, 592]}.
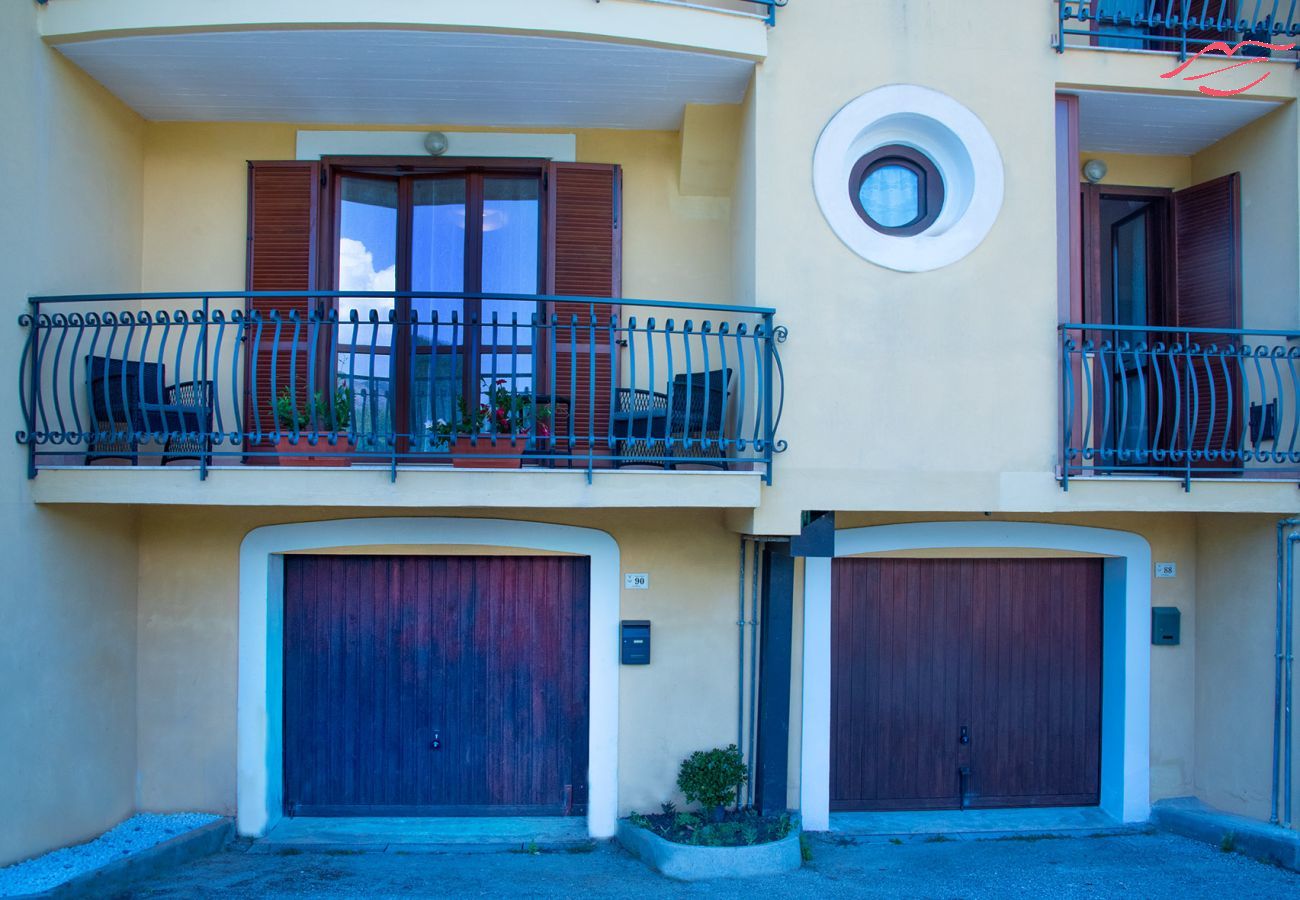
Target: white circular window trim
{"type": "Point", "coordinates": [954, 139]}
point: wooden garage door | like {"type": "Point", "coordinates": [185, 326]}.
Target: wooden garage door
{"type": "Point", "coordinates": [435, 685]}
{"type": "Point", "coordinates": [965, 683]}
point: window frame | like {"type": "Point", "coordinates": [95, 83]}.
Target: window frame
{"type": "Point", "coordinates": [930, 192]}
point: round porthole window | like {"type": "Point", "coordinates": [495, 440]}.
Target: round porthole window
{"type": "Point", "coordinates": [908, 178]}
{"type": "Point", "coordinates": [896, 190]}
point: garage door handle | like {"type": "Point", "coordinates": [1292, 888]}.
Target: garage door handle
{"type": "Point", "coordinates": [436, 743]}
{"type": "Point", "coordinates": [965, 735]}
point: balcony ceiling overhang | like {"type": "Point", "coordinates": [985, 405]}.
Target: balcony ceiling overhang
{"type": "Point", "coordinates": [400, 76]}
{"type": "Point", "coordinates": [1161, 124]}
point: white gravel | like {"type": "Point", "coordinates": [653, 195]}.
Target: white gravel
{"type": "Point", "coordinates": [140, 832]}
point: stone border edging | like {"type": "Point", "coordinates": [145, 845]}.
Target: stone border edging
{"type": "Point", "coordinates": [685, 862]}
{"type": "Point", "coordinates": [194, 844]}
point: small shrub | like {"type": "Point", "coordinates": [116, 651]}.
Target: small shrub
{"type": "Point", "coordinates": [711, 778]}
{"type": "Point", "coordinates": [1229, 842]}
{"type": "Point", "coordinates": [669, 807]}
{"type": "Point", "coordinates": [805, 848]}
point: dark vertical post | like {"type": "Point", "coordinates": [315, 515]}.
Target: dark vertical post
{"type": "Point", "coordinates": [34, 388]}
{"type": "Point", "coordinates": [777, 616]}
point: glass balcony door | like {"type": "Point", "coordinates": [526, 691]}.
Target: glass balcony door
{"type": "Point", "coordinates": [460, 232]}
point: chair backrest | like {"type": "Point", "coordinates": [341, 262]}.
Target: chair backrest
{"type": "Point", "coordinates": [697, 401]}
{"type": "Point", "coordinates": [115, 388]}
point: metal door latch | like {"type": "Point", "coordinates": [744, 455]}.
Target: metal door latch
{"type": "Point", "coordinates": [436, 743]}
{"type": "Point", "coordinates": [965, 735]}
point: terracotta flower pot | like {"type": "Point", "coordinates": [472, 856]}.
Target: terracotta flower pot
{"type": "Point", "coordinates": [323, 454]}
{"type": "Point", "coordinates": [466, 454]}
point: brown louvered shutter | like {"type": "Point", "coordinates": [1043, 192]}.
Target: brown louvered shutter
{"type": "Point", "coordinates": [283, 202]}
{"type": "Point", "coordinates": [1207, 227]}
{"type": "Point", "coordinates": [585, 261]}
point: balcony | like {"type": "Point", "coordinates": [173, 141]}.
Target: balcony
{"type": "Point", "coordinates": [210, 382]}
{"type": "Point", "coordinates": [1187, 403]}
{"type": "Point", "coordinates": [1177, 26]}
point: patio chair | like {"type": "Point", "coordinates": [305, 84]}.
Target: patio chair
{"type": "Point", "coordinates": [682, 425]}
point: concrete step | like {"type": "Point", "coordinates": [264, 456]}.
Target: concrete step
{"type": "Point", "coordinates": [526, 834]}
{"type": "Point", "coordinates": [1191, 818]}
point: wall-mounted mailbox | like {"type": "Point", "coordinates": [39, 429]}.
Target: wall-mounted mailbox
{"type": "Point", "coordinates": [636, 642]}
{"type": "Point", "coordinates": [1165, 624]}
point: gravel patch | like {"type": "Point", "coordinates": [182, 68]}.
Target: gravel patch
{"type": "Point", "coordinates": [140, 832]}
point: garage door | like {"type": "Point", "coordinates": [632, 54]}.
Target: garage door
{"type": "Point", "coordinates": [435, 685]}
{"type": "Point", "coordinates": [965, 683]}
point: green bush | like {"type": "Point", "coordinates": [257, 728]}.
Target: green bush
{"type": "Point", "coordinates": [711, 777]}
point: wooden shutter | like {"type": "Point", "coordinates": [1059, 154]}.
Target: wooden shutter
{"type": "Point", "coordinates": [585, 260]}
{"type": "Point", "coordinates": [283, 203]}
{"type": "Point", "coordinates": [1207, 234]}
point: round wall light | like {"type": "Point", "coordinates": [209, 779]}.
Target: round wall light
{"type": "Point", "coordinates": [1094, 170]}
{"type": "Point", "coordinates": [436, 143]}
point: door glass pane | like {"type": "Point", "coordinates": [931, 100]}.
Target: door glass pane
{"type": "Point", "coordinates": [511, 232]}
{"type": "Point", "coordinates": [367, 261]}
{"type": "Point", "coordinates": [437, 264]}
{"type": "Point", "coordinates": [1131, 291]}
{"type": "Point", "coordinates": [511, 225]}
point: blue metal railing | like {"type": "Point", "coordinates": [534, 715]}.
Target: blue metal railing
{"type": "Point", "coordinates": [1186, 402]}
{"type": "Point", "coordinates": [1176, 26]}
{"type": "Point", "coordinates": [276, 378]}
{"type": "Point", "coordinates": [766, 8]}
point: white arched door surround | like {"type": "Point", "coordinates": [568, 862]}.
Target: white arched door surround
{"type": "Point", "coordinates": [260, 777]}
{"type": "Point", "coordinates": [1126, 637]}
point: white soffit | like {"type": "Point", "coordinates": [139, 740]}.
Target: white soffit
{"type": "Point", "coordinates": [1161, 124]}
{"type": "Point", "coordinates": [407, 77]}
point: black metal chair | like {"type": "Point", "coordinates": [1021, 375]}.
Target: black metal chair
{"type": "Point", "coordinates": [185, 416]}
{"type": "Point", "coordinates": [639, 422]}
{"type": "Point", "coordinates": [115, 389]}
{"type": "Point", "coordinates": [682, 425]}
{"type": "Point", "coordinates": [697, 413]}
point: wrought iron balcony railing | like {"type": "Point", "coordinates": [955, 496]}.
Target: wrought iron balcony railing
{"type": "Point", "coordinates": [244, 379]}
{"type": "Point", "coordinates": [761, 9]}
{"type": "Point", "coordinates": [1176, 26]}
{"type": "Point", "coordinates": [1188, 402]}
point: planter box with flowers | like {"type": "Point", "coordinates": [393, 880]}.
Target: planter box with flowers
{"type": "Point", "coordinates": [715, 842]}
{"type": "Point", "coordinates": [328, 423]}
{"type": "Point", "coordinates": [496, 435]}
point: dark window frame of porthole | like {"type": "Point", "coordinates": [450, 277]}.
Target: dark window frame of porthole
{"type": "Point", "coordinates": [929, 191]}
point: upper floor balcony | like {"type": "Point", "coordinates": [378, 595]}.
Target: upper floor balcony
{"type": "Point", "coordinates": [1183, 27]}
{"type": "Point", "coordinates": [419, 381]}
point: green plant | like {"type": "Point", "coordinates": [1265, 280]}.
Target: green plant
{"type": "Point", "coordinates": [712, 778]}
{"type": "Point", "coordinates": [299, 416]}
{"type": "Point", "coordinates": [641, 821]}
{"type": "Point", "coordinates": [1229, 842]}
{"type": "Point", "coordinates": [938, 839]}
{"type": "Point", "coordinates": [500, 411]}
{"type": "Point", "coordinates": [805, 848]}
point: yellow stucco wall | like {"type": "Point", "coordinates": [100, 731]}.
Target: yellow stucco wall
{"type": "Point", "coordinates": [684, 701]}
{"type": "Point", "coordinates": [1235, 632]}
{"type": "Point", "coordinates": [1141, 170]}
{"type": "Point", "coordinates": [675, 246]}
{"type": "Point", "coordinates": [70, 182]}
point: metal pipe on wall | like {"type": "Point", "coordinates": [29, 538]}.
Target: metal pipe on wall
{"type": "Point", "coordinates": [750, 756]}
{"type": "Point", "coordinates": [1291, 541]}
{"type": "Point", "coordinates": [740, 649]}
{"type": "Point", "coordinates": [1282, 663]}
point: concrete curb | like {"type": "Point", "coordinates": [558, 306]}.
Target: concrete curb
{"type": "Point", "coordinates": [199, 842]}
{"type": "Point", "coordinates": [1191, 818]}
{"type": "Point", "coordinates": [686, 863]}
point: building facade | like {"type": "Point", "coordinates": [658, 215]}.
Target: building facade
{"type": "Point", "coordinates": [925, 379]}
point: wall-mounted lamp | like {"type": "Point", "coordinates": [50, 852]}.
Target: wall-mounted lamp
{"type": "Point", "coordinates": [1094, 170]}
{"type": "Point", "coordinates": [436, 143]}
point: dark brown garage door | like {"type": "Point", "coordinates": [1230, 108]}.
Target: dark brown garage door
{"type": "Point", "coordinates": [435, 685]}
{"type": "Point", "coordinates": [965, 683]}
